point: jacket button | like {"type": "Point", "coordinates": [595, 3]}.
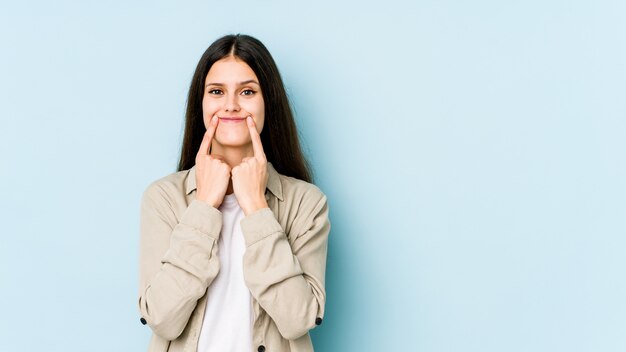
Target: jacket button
{"type": "Point", "coordinates": [261, 348]}
{"type": "Point", "coordinates": [143, 321]}
{"type": "Point", "coordinates": [318, 321]}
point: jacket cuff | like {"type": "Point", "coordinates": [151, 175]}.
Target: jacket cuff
{"type": "Point", "coordinates": [259, 225]}
{"type": "Point", "coordinates": [203, 217]}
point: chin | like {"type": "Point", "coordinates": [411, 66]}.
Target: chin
{"type": "Point", "coordinates": [233, 141]}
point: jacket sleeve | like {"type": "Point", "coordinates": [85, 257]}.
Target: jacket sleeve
{"type": "Point", "coordinates": [178, 260]}
{"type": "Point", "coordinates": [288, 279]}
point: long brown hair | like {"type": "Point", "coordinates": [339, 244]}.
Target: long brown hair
{"type": "Point", "coordinates": [279, 134]}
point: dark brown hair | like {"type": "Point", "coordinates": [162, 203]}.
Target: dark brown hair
{"type": "Point", "coordinates": [279, 134]}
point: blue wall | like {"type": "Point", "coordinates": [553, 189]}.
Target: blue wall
{"type": "Point", "coordinates": [472, 152]}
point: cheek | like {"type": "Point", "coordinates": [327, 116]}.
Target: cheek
{"type": "Point", "coordinates": [260, 122]}
{"type": "Point", "coordinates": [207, 106]}
{"type": "Point", "coordinates": [259, 113]}
{"type": "Point", "coordinates": [254, 107]}
{"type": "Point", "coordinates": [209, 109]}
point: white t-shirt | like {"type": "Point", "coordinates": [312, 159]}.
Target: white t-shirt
{"type": "Point", "coordinates": [228, 318]}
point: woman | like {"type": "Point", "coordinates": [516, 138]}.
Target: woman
{"type": "Point", "coordinates": [233, 245]}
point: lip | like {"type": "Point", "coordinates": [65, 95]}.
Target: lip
{"type": "Point", "coordinates": [231, 119]}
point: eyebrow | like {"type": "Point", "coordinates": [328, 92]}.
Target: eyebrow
{"type": "Point", "coordinates": [240, 83]}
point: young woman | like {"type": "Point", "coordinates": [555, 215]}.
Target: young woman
{"type": "Point", "coordinates": [233, 244]}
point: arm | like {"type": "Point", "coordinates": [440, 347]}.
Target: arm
{"type": "Point", "coordinates": [178, 260]}
{"type": "Point", "coordinates": [288, 280]}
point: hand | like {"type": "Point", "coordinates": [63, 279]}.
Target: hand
{"type": "Point", "coordinates": [212, 174]}
{"type": "Point", "coordinates": [250, 177]}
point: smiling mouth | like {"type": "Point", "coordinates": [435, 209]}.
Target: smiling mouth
{"type": "Point", "coordinates": [232, 119]}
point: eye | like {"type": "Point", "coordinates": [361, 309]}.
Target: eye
{"type": "Point", "coordinates": [215, 91]}
{"type": "Point", "coordinates": [248, 92]}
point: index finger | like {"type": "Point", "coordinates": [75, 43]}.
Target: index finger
{"type": "Point", "coordinates": [208, 137]}
{"type": "Point", "coordinates": [257, 145]}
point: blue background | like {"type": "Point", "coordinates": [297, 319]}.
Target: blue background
{"type": "Point", "coordinates": [472, 152]}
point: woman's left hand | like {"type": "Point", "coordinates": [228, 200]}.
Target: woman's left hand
{"type": "Point", "coordinates": [250, 177]}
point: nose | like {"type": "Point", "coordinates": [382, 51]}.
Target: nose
{"type": "Point", "coordinates": [232, 103]}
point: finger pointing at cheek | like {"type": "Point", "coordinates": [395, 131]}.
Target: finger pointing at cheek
{"type": "Point", "coordinates": [212, 174]}
{"type": "Point", "coordinates": [257, 145]}
{"type": "Point", "coordinates": [205, 146]}
{"type": "Point", "coordinates": [250, 177]}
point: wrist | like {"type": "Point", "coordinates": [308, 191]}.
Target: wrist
{"type": "Point", "coordinates": [255, 206]}
{"type": "Point", "coordinates": [212, 201]}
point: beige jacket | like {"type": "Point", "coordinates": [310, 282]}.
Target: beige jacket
{"type": "Point", "coordinates": [284, 263]}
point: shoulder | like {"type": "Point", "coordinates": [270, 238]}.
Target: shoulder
{"type": "Point", "coordinates": [170, 187]}
{"type": "Point", "coordinates": [302, 195]}
{"type": "Point", "coordinates": [305, 205]}
{"type": "Point", "coordinates": [293, 187]}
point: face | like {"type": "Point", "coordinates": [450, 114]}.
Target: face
{"type": "Point", "coordinates": [232, 92]}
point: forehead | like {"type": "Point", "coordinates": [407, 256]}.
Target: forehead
{"type": "Point", "coordinates": [230, 70]}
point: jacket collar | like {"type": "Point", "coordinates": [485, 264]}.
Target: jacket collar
{"type": "Point", "coordinates": [273, 181]}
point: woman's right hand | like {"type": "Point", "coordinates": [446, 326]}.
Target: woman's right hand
{"type": "Point", "coordinates": [212, 174]}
